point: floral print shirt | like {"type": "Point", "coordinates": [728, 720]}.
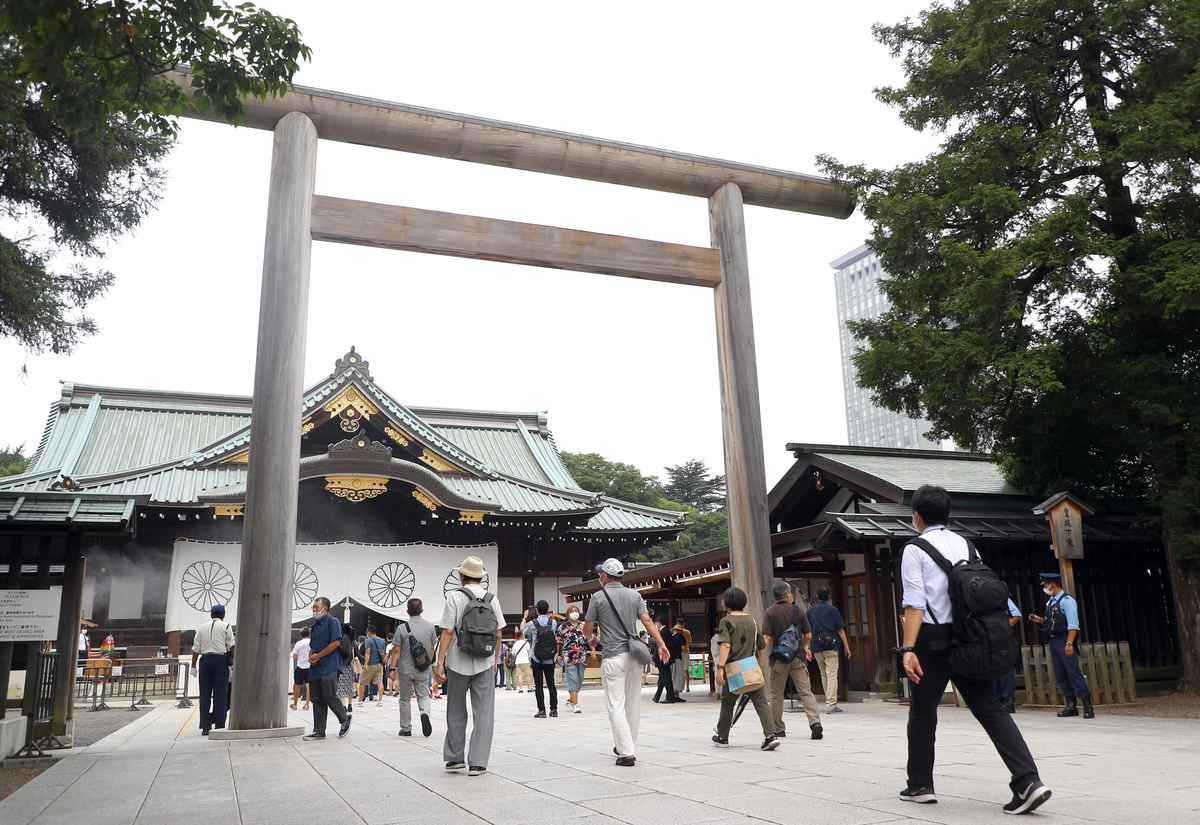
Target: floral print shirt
{"type": "Point", "coordinates": [574, 645]}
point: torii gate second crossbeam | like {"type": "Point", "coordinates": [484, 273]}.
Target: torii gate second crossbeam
{"type": "Point", "coordinates": [295, 217]}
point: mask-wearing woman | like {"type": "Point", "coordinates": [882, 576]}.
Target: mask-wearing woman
{"type": "Point", "coordinates": [345, 680]}
{"type": "Point", "coordinates": [573, 650]}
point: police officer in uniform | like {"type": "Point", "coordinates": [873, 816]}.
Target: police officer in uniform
{"type": "Point", "coordinates": [1060, 627]}
{"type": "Point", "coordinates": [210, 651]}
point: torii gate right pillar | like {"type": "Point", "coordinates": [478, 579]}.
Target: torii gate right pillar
{"type": "Point", "coordinates": [750, 560]}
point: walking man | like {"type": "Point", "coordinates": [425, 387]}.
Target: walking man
{"type": "Point", "coordinates": [829, 639]}
{"type": "Point", "coordinates": [325, 664]}
{"type": "Point", "coordinates": [413, 649]}
{"type": "Point", "coordinates": [616, 608]}
{"type": "Point", "coordinates": [680, 646]}
{"type": "Point", "coordinates": [374, 655]}
{"type": "Point", "coordinates": [928, 635]}
{"type": "Point", "coordinates": [211, 647]}
{"type": "Point", "coordinates": [466, 658]}
{"type": "Point", "coordinates": [543, 647]}
{"type": "Point", "coordinates": [300, 668]}
{"type": "Point", "coordinates": [789, 641]}
{"type": "Point", "coordinates": [1060, 627]}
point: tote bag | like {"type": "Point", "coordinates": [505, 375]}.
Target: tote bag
{"type": "Point", "coordinates": [744, 675]}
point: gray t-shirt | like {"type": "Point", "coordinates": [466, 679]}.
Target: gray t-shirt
{"type": "Point", "coordinates": [630, 605]}
{"type": "Point", "coordinates": [425, 633]}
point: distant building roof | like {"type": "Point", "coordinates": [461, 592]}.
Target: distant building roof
{"type": "Point", "coordinates": [899, 471]}
{"type": "Point", "coordinates": [850, 257]}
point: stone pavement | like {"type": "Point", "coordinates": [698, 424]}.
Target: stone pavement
{"type": "Point", "coordinates": [159, 771]}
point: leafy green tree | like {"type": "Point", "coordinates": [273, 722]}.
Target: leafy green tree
{"type": "Point", "coordinates": [692, 484]}
{"type": "Point", "coordinates": [86, 117]}
{"type": "Point", "coordinates": [13, 460]}
{"type": "Point", "coordinates": [597, 474]}
{"type": "Point", "coordinates": [1045, 260]}
{"type": "Point", "coordinates": [705, 531]}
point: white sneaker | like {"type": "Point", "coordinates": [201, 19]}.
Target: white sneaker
{"type": "Point", "coordinates": [576, 709]}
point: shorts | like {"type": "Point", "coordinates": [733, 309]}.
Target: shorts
{"type": "Point", "coordinates": [373, 672]}
{"type": "Point", "coordinates": [573, 677]}
{"type": "Point", "coordinates": [300, 675]}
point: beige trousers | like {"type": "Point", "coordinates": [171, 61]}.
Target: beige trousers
{"type": "Point", "coordinates": [798, 669]}
{"type": "Point", "coordinates": [827, 661]}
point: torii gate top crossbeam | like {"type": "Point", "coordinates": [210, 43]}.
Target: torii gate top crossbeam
{"type": "Point", "coordinates": [369, 122]}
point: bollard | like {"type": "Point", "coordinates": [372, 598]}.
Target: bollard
{"type": "Point", "coordinates": [144, 702]}
{"type": "Point", "coordinates": [184, 701]}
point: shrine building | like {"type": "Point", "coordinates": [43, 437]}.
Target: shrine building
{"type": "Point", "coordinates": [392, 497]}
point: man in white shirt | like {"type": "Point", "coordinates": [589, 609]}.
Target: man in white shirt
{"type": "Point", "coordinates": [300, 666]}
{"type": "Point", "coordinates": [928, 637]}
{"type": "Point", "coordinates": [214, 640]}
{"type": "Point", "coordinates": [466, 661]}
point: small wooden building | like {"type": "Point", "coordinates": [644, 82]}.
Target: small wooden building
{"type": "Point", "coordinates": [840, 518]}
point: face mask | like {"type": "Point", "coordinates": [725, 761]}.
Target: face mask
{"type": "Point", "coordinates": [1047, 590]}
{"type": "Point", "coordinates": [573, 617]}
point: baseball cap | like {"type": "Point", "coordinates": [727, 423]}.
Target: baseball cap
{"type": "Point", "coordinates": [613, 567]}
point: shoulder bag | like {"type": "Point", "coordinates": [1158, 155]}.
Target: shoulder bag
{"type": "Point", "coordinates": [637, 649]}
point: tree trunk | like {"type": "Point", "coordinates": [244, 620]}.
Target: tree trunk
{"type": "Point", "coordinates": [1184, 568]}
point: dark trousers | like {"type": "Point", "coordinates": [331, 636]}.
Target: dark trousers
{"type": "Point", "coordinates": [762, 706]}
{"type": "Point", "coordinates": [1066, 670]}
{"type": "Point", "coordinates": [933, 646]}
{"type": "Point", "coordinates": [544, 673]}
{"type": "Point", "coordinates": [1005, 688]}
{"type": "Point", "coordinates": [665, 681]}
{"type": "Point", "coordinates": [214, 690]}
{"type": "Point", "coordinates": [325, 699]}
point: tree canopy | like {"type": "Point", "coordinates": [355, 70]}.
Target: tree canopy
{"type": "Point", "coordinates": [708, 528]}
{"type": "Point", "coordinates": [86, 118]}
{"type": "Point", "coordinates": [13, 460]}
{"type": "Point", "coordinates": [693, 484]}
{"type": "Point", "coordinates": [1044, 262]}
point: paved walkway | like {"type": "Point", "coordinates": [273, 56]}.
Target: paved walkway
{"type": "Point", "coordinates": [159, 771]}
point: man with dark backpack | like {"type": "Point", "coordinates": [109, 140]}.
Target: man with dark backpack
{"type": "Point", "coordinates": [466, 660]}
{"type": "Point", "coordinates": [541, 635]}
{"type": "Point", "coordinates": [956, 627]}
{"type": "Point", "coordinates": [789, 639]}
{"type": "Point", "coordinates": [412, 657]}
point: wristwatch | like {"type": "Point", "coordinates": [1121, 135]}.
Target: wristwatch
{"type": "Point", "coordinates": [906, 649]}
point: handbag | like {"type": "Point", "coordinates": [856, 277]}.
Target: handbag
{"type": "Point", "coordinates": [744, 675]}
{"type": "Point", "coordinates": [639, 651]}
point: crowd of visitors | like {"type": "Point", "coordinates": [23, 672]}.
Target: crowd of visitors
{"type": "Point", "coordinates": [754, 662]}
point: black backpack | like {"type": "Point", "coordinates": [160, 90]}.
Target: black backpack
{"type": "Point", "coordinates": [544, 646]}
{"type": "Point", "coordinates": [420, 656]}
{"type": "Point", "coordinates": [982, 646]}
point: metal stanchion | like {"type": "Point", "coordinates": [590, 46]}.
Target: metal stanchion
{"type": "Point", "coordinates": [184, 701]}
{"type": "Point", "coordinates": [143, 702]}
{"type": "Point", "coordinates": [103, 693]}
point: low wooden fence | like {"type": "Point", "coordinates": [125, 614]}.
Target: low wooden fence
{"type": "Point", "coordinates": [1108, 667]}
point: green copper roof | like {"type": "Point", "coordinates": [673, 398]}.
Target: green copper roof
{"type": "Point", "coordinates": [168, 448]}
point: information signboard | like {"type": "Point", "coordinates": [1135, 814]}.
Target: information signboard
{"type": "Point", "coordinates": [29, 615]}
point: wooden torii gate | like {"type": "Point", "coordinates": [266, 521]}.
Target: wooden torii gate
{"type": "Point", "coordinates": [296, 217]}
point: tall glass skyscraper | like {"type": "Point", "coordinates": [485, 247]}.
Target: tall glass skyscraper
{"type": "Point", "coordinates": [856, 277]}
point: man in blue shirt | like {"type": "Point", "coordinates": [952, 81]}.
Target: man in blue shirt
{"type": "Point", "coordinates": [1060, 627]}
{"type": "Point", "coordinates": [828, 638]}
{"type": "Point", "coordinates": [543, 647]}
{"type": "Point", "coordinates": [1005, 687]}
{"type": "Point", "coordinates": [324, 663]}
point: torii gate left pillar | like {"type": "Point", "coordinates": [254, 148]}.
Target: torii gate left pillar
{"type": "Point", "coordinates": [273, 476]}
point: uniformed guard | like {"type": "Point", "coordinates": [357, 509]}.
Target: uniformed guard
{"type": "Point", "coordinates": [210, 651]}
{"type": "Point", "coordinates": [1060, 627]}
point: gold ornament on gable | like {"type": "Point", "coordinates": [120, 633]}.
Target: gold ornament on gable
{"type": "Point", "coordinates": [356, 488]}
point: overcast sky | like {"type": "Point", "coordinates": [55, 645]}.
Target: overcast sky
{"type": "Point", "coordinates": [624, 368]}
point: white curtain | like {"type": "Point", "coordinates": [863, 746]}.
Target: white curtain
{"type": "Point", "coordinates": [380, 576]}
